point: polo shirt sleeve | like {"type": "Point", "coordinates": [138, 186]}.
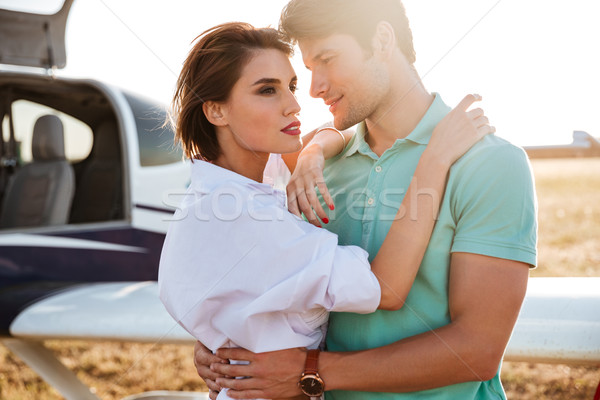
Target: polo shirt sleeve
{"type": "Point", "coordinates": [234, 268]}
{"type": "Point", "coordinates": [494, 203]}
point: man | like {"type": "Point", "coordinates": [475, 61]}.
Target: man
{"type": "Point", "coordinates": [448, 340]}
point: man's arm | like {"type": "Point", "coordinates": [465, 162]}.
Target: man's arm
{"type": "Point", "coordinates": [485, 296]}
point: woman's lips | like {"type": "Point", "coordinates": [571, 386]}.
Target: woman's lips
{"type": "Point", "coordinates": [292, 129]}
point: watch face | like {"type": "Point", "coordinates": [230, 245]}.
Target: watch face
{"type": "Point", "coordinates": [312, 385]}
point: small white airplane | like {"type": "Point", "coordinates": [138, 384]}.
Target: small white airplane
{"type": "Point", "coordinates": [89, 179]}
{"type": "Point", "coordinates": [85, 172]}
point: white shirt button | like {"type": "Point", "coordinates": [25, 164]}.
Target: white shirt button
{"type": "Point", "coordinates": [378, 168]}
{"type": "Point", "coordinates": [370, 201]}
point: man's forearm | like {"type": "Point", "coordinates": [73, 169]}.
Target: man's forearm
{"type": "Point", "coordinates": [442, 357]}
{"type": "Point", "coordinates": [485, 295]}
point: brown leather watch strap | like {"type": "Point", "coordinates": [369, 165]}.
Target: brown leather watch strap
{"type": "Point", "coordinates": [312, 362]}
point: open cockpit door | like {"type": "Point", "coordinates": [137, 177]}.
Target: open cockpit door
{"type": "Point", "coordinates": [33, 40]}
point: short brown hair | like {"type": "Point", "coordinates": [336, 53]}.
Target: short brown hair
{"type": "Point", "coordinates": [317, 19]}
{"type": "Point", "coordinates": [209, 73]}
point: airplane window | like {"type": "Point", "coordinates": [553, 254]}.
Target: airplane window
{"type": "Point", "coordinates": [155, 140]}
{"type": "Point", "coordinates": [78, 135]}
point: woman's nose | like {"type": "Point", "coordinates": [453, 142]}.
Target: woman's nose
{"type": "Point", "coordinates": [293, 107]}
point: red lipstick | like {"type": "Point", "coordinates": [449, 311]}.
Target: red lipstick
{"type": "Point", "coordinates": [292, 129]}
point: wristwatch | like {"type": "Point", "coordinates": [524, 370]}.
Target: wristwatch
{"type": "Point", "coordinates": [311, 383]}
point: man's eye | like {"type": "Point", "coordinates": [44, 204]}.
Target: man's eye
{"type": "Point", "coordinates": [326, 60]}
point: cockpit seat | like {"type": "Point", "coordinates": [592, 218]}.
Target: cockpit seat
{"type": "Point", "coordinates": [40, 193]}
{"type": "Point", "coordinates": [99, 195]}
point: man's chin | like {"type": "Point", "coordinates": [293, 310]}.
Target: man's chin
{"type": "Point", "coordinates": [341, 124]}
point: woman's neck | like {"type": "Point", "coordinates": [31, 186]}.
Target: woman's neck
{"type": "Point", "coordinates": [239, 158]}
{"type": "Point", "coordinates": [248, 164]}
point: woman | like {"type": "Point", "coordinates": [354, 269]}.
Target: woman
{"type": "Point", "coordinates": [237, 268]}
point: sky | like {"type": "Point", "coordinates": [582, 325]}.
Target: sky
{"type": "Point", "coordinates": [536, 63]}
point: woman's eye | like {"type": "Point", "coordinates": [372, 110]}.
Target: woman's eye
{"type": "Point", "coordinates": [293, 88]}
{"type": "Point", "coordinates": [268, 90]}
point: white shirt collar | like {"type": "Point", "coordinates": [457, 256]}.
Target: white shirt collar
{"type": "Point", "coordinates": [206, 177]}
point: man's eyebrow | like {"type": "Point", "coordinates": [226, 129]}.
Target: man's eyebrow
{"type": "Point", "coordinates": [319, 56]}
{"type": "Point", "coordinates": [262, 81]}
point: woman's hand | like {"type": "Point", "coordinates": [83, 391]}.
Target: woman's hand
{"type": "Point", "coordinates": [301, 193]}
{"type": "Point", "coordinates": [459, 131]}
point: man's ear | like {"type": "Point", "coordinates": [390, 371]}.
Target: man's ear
{"type": "Point", "coordinates": [215, 113]}
{"type": "Point", "coordinates": [384, 41]}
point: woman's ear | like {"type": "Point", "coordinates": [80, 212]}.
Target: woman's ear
{"type": "Point", "coordinates": [384, 41]}
{"type": "Point", "coordinates": [215, 113]}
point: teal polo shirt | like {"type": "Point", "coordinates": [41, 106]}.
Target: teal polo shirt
{"type": "Point", "coordinates": [489, 208]}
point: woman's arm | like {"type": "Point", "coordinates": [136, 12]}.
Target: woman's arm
{"type": "Point", "coordinates": [328, 142]}
{"type": "Point", "coordinates": [402, 251]}
{"type": "Point", "coordinates": [307, 172]}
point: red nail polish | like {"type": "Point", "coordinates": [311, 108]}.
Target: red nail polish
{"type": "Point", "coordinates": [332, 207]}
{"type": "Point", "coordinates": [325, 220]}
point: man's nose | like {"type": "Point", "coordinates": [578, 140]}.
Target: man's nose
{"type": "Point", "coordinates": [318, 85]}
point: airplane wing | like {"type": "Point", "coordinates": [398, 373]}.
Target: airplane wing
{"type": "Point", "coordinates": [559, 322]}
{"type": "Point", "coordinates": [121, 311]}
{"type": "Point", "coordinates": [118, 311]}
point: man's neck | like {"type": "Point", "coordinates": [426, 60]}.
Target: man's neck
{"type": "Point", "coordinates": [397, 117]}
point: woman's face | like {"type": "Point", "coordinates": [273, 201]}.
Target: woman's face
{"type": "Point", "coordinates": [262, 109]}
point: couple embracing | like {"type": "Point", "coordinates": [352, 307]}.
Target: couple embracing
{"type": "Point", "coordinates": [409, 285]}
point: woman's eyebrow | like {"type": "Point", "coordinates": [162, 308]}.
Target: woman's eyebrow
{"type": "Point", "coordinates": [262, 81]}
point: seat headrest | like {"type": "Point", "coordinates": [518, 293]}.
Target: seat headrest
{"type": "Point", "coordinates": [106, 141]}
{"type": "Point", "coordinates": [48, 142]}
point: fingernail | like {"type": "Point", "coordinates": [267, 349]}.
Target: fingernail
{"type": "Point", "coordinates": [332, 207]}
{"type": "Point", "coordinates": [319, 226]}
{"type": "Point", "coordinates": [325, 220]}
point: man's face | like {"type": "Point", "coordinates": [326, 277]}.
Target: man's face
{"type": "Point", "coordinates": [350, 81]}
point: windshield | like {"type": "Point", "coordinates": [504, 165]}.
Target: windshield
{"type": "Point", "coordinates": [154, 138]}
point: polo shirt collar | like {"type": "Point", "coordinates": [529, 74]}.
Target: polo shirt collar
{"type": "Point", "coordinates": [435, 113]}
{"type": "Point", "coordinates": [420, 135]}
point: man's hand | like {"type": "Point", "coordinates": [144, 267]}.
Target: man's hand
{"type": "Point", "coordinates": [203, 358]}
{"type": "Point", "coordinates": [271, 375]}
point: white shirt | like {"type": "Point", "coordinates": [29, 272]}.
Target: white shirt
{"type": "Point", "coordinates": [238, 269]}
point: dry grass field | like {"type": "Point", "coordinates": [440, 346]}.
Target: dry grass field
{"type": "Point", "coordinates": [569, 245]}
